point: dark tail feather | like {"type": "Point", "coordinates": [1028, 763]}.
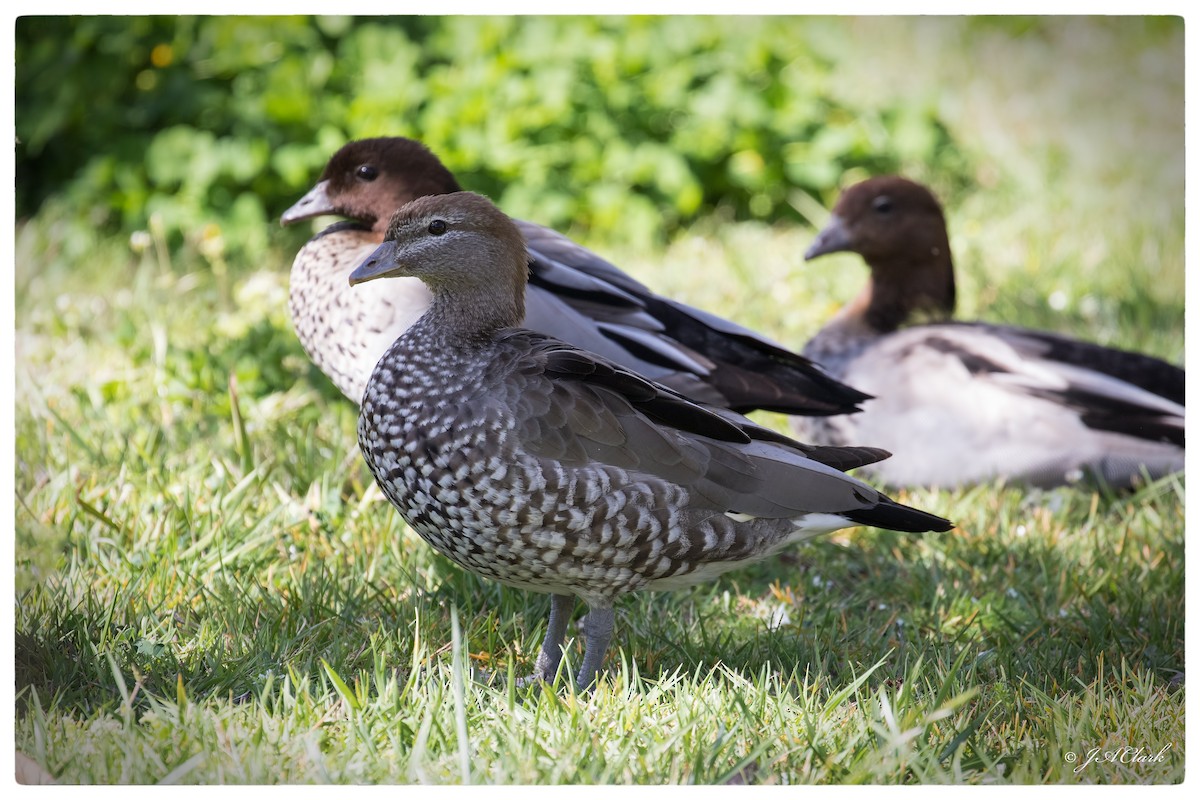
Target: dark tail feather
{"type": "Point", "coordinates": [844, 457]}
{"type": "Point", "coordinates": [898, 517]}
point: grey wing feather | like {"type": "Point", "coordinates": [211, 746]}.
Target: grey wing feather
{"type": "Point", "coordinates": [614, 417]}
{"type": "Point", "coordinates": [1111, 390]}
{"type": "Point", "coordinates": [558, 248]}
{"type": "Point", "coordinates": [698, 353]}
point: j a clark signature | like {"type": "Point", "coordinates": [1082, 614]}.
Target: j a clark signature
{"type": "Point", "coordinates": [1118, 755]}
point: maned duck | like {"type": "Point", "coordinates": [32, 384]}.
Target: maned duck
{"type": "Point", "coordinates": [573, 294]}
{"type": "Point", "coordinates": [530, 461]}
{"type": "Point", "coordinates": [964, 402]}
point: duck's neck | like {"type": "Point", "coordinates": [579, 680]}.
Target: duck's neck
{"type": "Point", "coordinates": [901, 290]}
{"type": "Point", "coordinates": [448, 352]}
{"type": "Point", "coordinates": [468, 318]}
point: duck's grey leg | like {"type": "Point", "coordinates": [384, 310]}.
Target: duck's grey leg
{"type": "Point", "coordinates": [561, 606]}
{"type": "Point", "coordinates": [598, 633]}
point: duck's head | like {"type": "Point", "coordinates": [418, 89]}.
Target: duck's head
{"type": "Point", "coordinates": [461, 246]}
{"type": "Point", "coordinates": [884, 219]}
{"type": "Point", "coordinates": [898, 227]}
{"type": "Point", "coordinates": [368, 179]}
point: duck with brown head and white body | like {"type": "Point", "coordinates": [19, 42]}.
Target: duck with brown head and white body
{"type": "Point", "coordinates": [573, 294]}
{"type": "Point", "coordinates": [964, 402]}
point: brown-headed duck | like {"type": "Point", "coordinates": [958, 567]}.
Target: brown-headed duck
{"type": "Point", "coordinates": [573, 294]}
{"type": "Point", "coordinates": [963, 402]}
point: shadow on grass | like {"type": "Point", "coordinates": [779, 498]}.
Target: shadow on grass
{"type": "Point", "coordinates": [1025, 609]}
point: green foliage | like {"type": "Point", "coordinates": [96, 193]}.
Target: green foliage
{"type": "Point", "coordinates": [630, 127]}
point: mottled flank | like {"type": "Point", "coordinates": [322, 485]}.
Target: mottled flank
{"type": "Point", "coordinates": [964, 402]}
{"type": "Point", "coordinates": [573, 295]}
{"type": "Point", "coordinates": [529, 461]}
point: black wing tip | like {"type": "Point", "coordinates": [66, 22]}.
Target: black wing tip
{"type": "Point", "coordinates": [895, 516]}
{"type": "Point", "coordinates": [780, 399]}
{"type": "Point", "coordinates": [786, 389]}
{"type": "Point", "coordinates": [842, 457]}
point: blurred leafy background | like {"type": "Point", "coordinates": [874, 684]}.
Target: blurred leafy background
{"type": "Point", "coordinates": [630, 128]}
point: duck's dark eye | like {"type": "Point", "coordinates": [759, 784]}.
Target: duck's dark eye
{"type": "Point", "coordinates": [882, 204]}
{"type": "Point", "coordinates": [366, 172]}
{"type": "Point", "coordinates": [437, 227]}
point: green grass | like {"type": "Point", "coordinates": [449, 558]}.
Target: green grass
{"type": "Point", "coordinates": [208, 589]}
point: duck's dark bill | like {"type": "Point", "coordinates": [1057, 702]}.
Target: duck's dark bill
{"type": "Point", "coordinates": [379, 264]}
